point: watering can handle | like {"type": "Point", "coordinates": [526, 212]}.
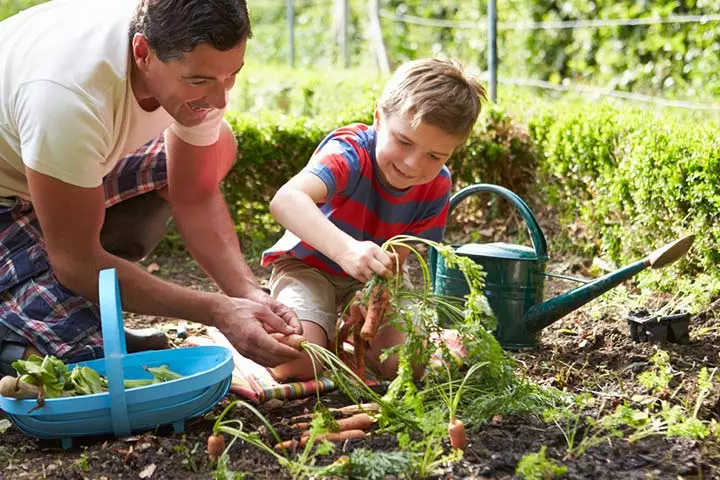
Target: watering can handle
{"type": "Point", "coordinates": [536, 235]}
{"type": "Point", "coordinates": [115, 349]}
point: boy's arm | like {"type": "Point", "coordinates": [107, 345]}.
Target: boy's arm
{"type": "Point", "coordinates": [295, 207]}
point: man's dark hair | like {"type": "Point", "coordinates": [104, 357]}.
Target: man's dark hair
{"type": "Point", "coordinates": [175, 27]}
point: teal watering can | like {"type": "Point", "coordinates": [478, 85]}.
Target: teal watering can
{"type": "Point", "coordinates": [515, 276]}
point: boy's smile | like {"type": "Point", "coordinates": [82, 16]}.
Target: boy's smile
{"type": "Point", "coordinates": [408, 156]}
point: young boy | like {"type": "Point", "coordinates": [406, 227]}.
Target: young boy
{"type": "Point", "coordinates": [363, 185]}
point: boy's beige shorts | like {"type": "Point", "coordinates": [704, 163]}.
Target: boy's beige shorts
{"type": "Point", "coordinates": [315, 296]}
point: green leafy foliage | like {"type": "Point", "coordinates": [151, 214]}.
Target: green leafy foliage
{"type": "Point", "coordinates": [370, 465]}
{"type": "Point", "coordinates": [673, 59]}
{"type": "Point", "coordinates": [628, 180]}
{"type": "Point", "coordinates": [631, 180]}
{"type": "Point", "coordinates": [224, 472]}
{"type": "Point", "coordinates": [669, 57]}
{"type": "Point", "coordinates": [657, 378]}
{"type": "Point", "coordinates": [47, 372]}
{"type": "Point", "coordinates": [10, 7]}
{"type": "Point", "coordinates": [537, 466]}
{"type": "Point", "coordinates": [52, 375]}
{"type": "Point", "coordinates": [87, 381]}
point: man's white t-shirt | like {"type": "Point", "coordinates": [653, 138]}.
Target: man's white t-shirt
{"type": "Point", "coordinates": [67, 109]}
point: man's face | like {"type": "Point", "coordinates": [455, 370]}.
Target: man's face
{"type": "Point", "coordinates": [408, 156]}
{"type": "Point", "coordinates": [189, 88]}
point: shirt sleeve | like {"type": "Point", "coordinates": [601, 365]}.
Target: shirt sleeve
{"type": "Point", "coordinates": [62, 134]}
{"type": "Point", "coordinates": [338, 162]}
{"type": "Point", "coordinates": [431, 225]}
{"type": "Point", "coordinates": [203, 134]}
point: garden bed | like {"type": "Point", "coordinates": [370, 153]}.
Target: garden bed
{"type": "Point", "coordinates": [589, 351]}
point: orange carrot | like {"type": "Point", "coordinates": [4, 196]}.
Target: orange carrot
{"type": "Point", "coordinates": [379, 300]}
{"type": "Point", "coordinates": [354, 320]}
{"type": "Point", "coordinates": [216, 446]}
{"type": "Point", "coordinates": [360, 421]}
{"type": "Point", "coordinates": [291, 445]}
{"type": "Point", "coordinates": [293, 340]}
{"type": "Point", "coordinates": [331, 437]}
{"type": "Point", "coordinates": [359, 345]}
{"type": "Point", "coordinates": [302, 416]}
{"type": "Point", "coordinates": [456, 430]}
{"type": "Point", "coordinates": [369, 407]}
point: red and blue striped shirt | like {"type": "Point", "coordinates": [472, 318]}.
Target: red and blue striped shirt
{"type": "Point", "coordinates": [360, 204]}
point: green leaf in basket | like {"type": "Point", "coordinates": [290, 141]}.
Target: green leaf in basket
{"type": "Point", "coordinates": [49, 372]}
{"type": "Point", "coordinates": [85, 381]}
{"type": "Point", "coordinates": [162, 374]}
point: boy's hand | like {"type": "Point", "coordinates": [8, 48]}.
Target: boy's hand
{"type": "Point", "coordinates": [362, 259]}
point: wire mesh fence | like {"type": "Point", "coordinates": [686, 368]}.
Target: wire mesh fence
{"type": "Point", "coordinates": [654, 74]}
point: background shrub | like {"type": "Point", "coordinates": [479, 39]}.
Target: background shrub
{"type": "Point", "coordinates": [620, 180]}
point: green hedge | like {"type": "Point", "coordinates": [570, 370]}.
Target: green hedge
{"type": "Point", "coordinates": [632, 179]}
{"type": "Point", "coordinates": [627, 180]}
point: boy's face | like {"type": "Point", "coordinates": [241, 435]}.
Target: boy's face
{"type": "Point", "coordinates": [409, 156]}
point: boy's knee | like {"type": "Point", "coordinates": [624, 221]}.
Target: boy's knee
{"type": "Point", "coordinates": [298, 370]}
{"type": "Point", "coordinates": [302, 369]}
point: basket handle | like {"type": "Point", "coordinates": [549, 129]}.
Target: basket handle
{"type": "Point", "coordinates": [115, 349]}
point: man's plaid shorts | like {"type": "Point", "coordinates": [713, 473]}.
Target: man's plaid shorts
{"type": "Point", "coordinates": [33, 304]}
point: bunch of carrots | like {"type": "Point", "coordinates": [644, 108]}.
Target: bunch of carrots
{"type": "Point", "coordinates": [363, 322]}
{"type": "Point", "coordinates": [352, 426]}
{"type": "Point", "coordinates": [355, 425]}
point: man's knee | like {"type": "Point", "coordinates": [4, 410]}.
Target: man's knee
{"type": "Point", "coordinates": [134, 227]}
{"type": "Point", "coordinates": [13, 347]}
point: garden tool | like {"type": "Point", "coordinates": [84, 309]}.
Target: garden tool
{"type": "Point", "coordinates": [515, 276]}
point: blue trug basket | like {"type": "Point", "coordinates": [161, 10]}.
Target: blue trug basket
{"type": "Point", "coordinates": [206, 370]}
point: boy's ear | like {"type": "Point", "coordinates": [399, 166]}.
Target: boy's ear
{"type": "Point", "coordinates": [376, 117]}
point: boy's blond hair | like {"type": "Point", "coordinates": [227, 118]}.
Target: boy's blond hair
{"type": "Point", "coordinates": [437, 92]}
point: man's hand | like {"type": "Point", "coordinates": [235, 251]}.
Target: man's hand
{"type": "Point", "coordinates": [284, 312]}
{"type": "Point", "coordinates": [245, 323]}
{"type": "Point", "coordinates": [362, 259]}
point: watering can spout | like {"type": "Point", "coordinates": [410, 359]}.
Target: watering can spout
{"type": "Point", "coordinates": [541, 315]}
{"type": "Point", "coordinates": [515, 275]}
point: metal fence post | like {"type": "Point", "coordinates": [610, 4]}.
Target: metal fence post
{"type": "Point", "coordinates": [344, 40]}
{"type": "Point", "coordinates": [377, 37]}
{"type": "Point", "coordinates": [291, 32]}
{"type": "Point", "coordinates": [492, 48]}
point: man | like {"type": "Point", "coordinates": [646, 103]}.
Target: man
{"type": "Point", "coordinates": [84, 85]}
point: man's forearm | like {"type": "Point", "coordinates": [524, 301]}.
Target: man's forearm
{"type": "Point", "coordinates": [210, 237]}
{"type": "Point", "coordinates": [141, 292]}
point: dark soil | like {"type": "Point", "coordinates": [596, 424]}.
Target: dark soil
{"type": "Point", "coordinates": [590, 350]}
